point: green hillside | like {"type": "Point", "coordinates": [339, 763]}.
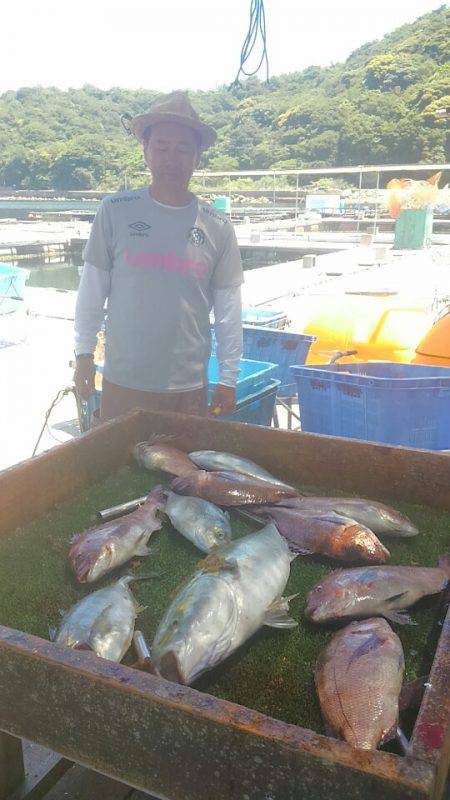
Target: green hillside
{"type": "Point", "coordinates": [376, 107]}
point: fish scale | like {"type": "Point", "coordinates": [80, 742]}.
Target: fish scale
{"type": "Point", "coordinates": [230, 596]}
{"type": "Point", "coordinates": [366, 591]}
{"type": "Point", "coordinates": [358, 678]}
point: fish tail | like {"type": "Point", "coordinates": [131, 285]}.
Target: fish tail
{"type": "Point", "coordinates": [157, 496]}
{"type": "Point", "coordinates": [160, 438]}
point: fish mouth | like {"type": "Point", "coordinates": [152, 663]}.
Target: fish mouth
{"type": "Point", "coordinates": [408, 529]}
{"type": "Point", "coordinates": [169, 668]}
{"type": "Point", "coordinates": [360, 544]}
{"type": "Point", "coordinates": [381, 554]}
{"type": "Point", "coordinates": [81, 565]}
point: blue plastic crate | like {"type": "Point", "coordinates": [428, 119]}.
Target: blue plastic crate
{"type": "Point", "coordinates": [282, 348]}
{"type": "Point", "coordinates": [255, 409]}
{"type": "Point", "coordinates": [403, 404]}
{"type": "Point", "coordinates": [258, 408]}
{"type": "Point", "coordinates": [12, 282]}
{"type": "Point", "coordinates": [253, 375]}
{"type": "Point", "coordinates": [264, 317]}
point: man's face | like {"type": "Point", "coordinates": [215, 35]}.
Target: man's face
{"type": "Point", "coordinates": [172, 153]}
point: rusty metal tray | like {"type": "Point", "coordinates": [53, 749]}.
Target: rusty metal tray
{"type": "Point", "coordinates": [174, 741]}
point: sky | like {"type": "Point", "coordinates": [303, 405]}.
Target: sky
{"type": "Point", "coordinates": [180, 44]}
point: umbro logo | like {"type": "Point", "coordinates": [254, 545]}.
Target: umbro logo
{"type": "Point", "coordinates": [140, 226]}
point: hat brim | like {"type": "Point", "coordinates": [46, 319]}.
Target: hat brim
{"type": "Point", "coordinates": [207, 134]}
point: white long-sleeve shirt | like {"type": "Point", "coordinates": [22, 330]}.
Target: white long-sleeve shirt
{"type": "Point", "coordinates": [93, 292]}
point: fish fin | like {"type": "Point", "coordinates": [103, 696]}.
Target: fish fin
{"type": "Point", "coordinates": [159, 438]}
{"type": "Point", "coordinates": [159, 496]}
{"type": "Point", "coordinates": [126, 579]}
{"type": "Point", "coordinates": [142, 550]}
{"type": "Point", "coordinates": [52, 632]}
{"type": "Point", "coordinates": [369, 644]}
{"type": "Point", "coordinates": [395, 597]}
{"type": "Point", "coordinates": [400, 617]}
{"type": "Point", "coordinates": [277, 614]}
{"type": "Point", "coordinates": [140, 609]}
{"type": "Point", "coordinates": [215, 563]}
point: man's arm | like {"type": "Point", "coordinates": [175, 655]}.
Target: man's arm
{"type": "Point", "coordinates": [228, 329]}
{"type": "Point", "coordinates": [94, 288]}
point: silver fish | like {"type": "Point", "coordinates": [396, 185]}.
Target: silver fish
{"type": "Point", "coordinates": [200, 521]}
{"type": "Point", "coordinates": [216, 461]}
{"type": "Point", "coordinates": [374, 591]}
{"type": "Point", "coordinates": [103, 621]}
{"type": "Point", "coordinates": [380, 518]}
{"type": "Point", "coordinates": [231, 595]}
{"type": "Point", "coordinates": [98, 551]}
{"type": "Point", "coordinates": [358, 678]}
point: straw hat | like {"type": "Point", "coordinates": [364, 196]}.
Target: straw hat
{"type": "Point", "coordinates": [174, 107]}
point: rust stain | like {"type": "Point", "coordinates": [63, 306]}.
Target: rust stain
{"type": "Point", "coordinates": [432, 734]}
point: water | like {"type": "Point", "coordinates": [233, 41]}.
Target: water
{"type": "Point", "coordinates": [62, 274]}
{"type": "Point", "coordinates": [20, 209]}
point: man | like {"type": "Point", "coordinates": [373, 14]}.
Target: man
{"type": "Point", "coordinates": [162, 259]}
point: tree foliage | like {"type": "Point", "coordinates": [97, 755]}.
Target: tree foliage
{"type": "Point", "coordinates": [377, 107]}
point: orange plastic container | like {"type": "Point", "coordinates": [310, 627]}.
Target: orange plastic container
{"type": "Point", "coordinates": [435, 345]}
{"type": "Point", "coordinates": [380, 327]}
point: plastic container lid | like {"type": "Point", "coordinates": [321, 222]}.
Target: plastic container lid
{"type": "Point", "coordinates": [436, 343]}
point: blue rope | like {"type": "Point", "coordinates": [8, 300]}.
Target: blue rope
{"type": "Point", "coordinates": [257, 26]}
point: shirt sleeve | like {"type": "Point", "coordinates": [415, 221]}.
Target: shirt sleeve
{"type": "Point", "coordinates": [89, 310]}
{"type": "Point", "coordinates": [228, 330]}
{"type": "Point", "coordinates": [228, 270]}
{"type": "Point", "coordinates": [99, 250]}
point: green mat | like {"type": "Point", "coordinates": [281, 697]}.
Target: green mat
{"type": "Point", "coordinates": [273, 672]}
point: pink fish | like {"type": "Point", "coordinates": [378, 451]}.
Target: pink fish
{"type": "Point", "coordinates": [99, 550]}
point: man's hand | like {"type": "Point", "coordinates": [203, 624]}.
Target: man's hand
{"type": "Point", "coordinates": [223, 400]}
{"type": "Point", "coordinates": [84, 376]}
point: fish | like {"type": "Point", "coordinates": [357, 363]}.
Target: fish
{"type": "Point", "coordinates": [103, 621]}
{"type": "Point", "coordinates": [99, 550]}
{"type": "Point", "coordinates": [215, 461]}
{"type": "Point", "coordinates": [163, 457]}
{"type": "Point", "coordinates": [358, 680]}
{"type": "Point", "coordinates": [328, 534]}
{"type": "Point", "coordinates": [230, 489]}
{"type": "Point", "coordinates": [230, 596]}
{"type": "Point", "coordinates": [380, 518]}
{"type": "Point", "coordinates": [200, 521]}
{"type": "Point", "coordinates": [375, 591]}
